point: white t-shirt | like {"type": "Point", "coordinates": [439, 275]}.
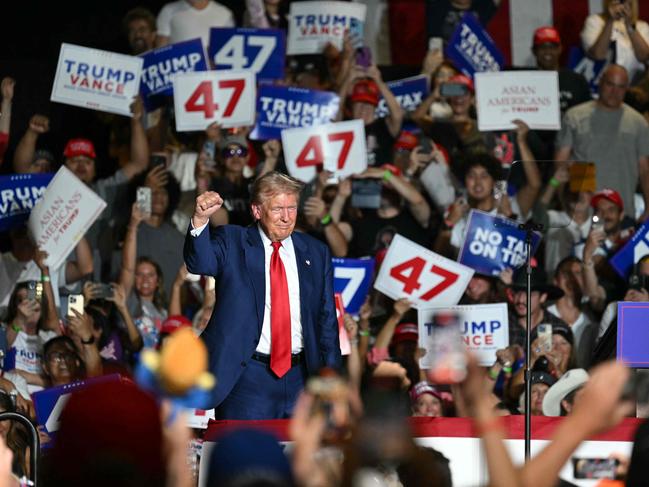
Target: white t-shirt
{"type": "Point", "coordinates": [189, 23]}
{"type": "Point", "coordinates": [624, 55]}
{"type": "Point", "coordinates": [26, 353]}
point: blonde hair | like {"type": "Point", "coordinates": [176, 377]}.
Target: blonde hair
{"type": "Point", "coordinates": [634, 9]}
{"type": "Point", "coordinates": [274, 183]}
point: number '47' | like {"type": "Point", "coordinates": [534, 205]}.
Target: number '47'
{"type": "Point", "coordinates": [202, 99]}
{"type": "Point", "coordinates": [411, 280]}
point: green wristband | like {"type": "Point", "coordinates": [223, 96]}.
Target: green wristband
{"type": "Point", "coordinates": [364, 333]}
{"type": "Point", "coordinates": [387, 175]}
{"type": "Point", "coordinates": [554, 182]}
{"type": "Point", "coordinates": [493, 374]}
{"type": "Point", "coordinates": [326, 220]}
{"type": "Point", "coordinates": [507, 370]}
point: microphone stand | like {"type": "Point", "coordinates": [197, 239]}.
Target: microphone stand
{"type": "Point", "coordinates": [529, 227]}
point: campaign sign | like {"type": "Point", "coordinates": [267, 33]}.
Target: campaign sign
{"type": "Point", "coordinates": [95, 79]}
{"type": "Point", "coordinates": [263, 51]}
{"type": "Point", "coordinates": [345, 345]}
{"type": "Point", "coordinates": [352, 279]}
{"type": "Point", "coordinates": [484, 329]}
{"type": "Point", "coordinates": [633, 334]}
{"type": "Point", "coordinates": [160, 66]}
{"type": "Point", "coordinates": [532, 96]}
{"type": "Point", "coordinates": [226, 97]}
{"type": "Point", "coordinates": [409, 92]}
{"type": "Point", "coordinates": [427, 279]}
{"type": "Point", "coordinates": [313, 25]}
{"type": "Point", "coordinates": [472, 49]}
{"type": "Point", "coordinates": [49, 403]}
{"type": "Point", "coordinates": [18, 195]}
{"type": "Point", "coordinates": [63, 215]}
{"type": "Point", "coordinates": [283, 107]}
{"type": "Point", "coordinates": [336, 147]}
{"type": "Point", "coordinates": [589, 68]}
{"type": "Point", "coordinates": [494, 243]}
{"type": "Point", "coordinates": [632, 251]}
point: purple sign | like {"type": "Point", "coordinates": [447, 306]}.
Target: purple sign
{"type": "Point", "coordinates": [633, 334]}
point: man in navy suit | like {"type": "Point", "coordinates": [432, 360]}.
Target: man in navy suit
{"type": "Point", "coordinates": [261, 356]}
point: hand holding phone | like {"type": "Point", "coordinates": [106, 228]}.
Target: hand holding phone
{"type": "Point", "coordinates": [144, 200]}
{"type": "Point", "coordinates": [75, 303]}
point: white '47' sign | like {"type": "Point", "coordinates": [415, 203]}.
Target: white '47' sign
{"type": "Point", "coordinates": [424, 277]}
{"type": "Point", "coordinates": [336, 147]}
{"type": "Point", "coordinates": [226, 97]}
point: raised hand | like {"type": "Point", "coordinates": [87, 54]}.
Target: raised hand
{"type": "Point", "coordinates": [207, 204]}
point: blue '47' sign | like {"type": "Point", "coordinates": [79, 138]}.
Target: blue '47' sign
{"type": "Point", "coordinates": [260, 50]}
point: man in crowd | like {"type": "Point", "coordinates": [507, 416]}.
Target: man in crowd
{"type": "Point", "coordinates": [187, 19]}
{"type": "Point", "coordinates": [611, 134]}
{"type": "Point", "coordinates": [273, 323]}
{"type": "Point", "coordinates": [139, 25]}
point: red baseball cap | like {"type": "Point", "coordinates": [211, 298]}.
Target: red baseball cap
{"type": "Point", "coordinates": [406, 141]}
{"type": "Point", "coordinates": [405, 332]}
{"type": "Point", "coordinates": [173, 323]}
{"type": "Point", "coordinates": [421, 388]}
{"type": "Point", "coordinates": [366, 91]}
{"type": "Point", "coordinates": [462, 80]}
{"type": "Point", "coordinates": [79, 147]}
{"type": "Point", "coordinates": [609, 194]}
{"type": "Point", "coordinates": [546, 34]}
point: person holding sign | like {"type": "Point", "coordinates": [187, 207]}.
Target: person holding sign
{"type": "Point", "coordinates": [275, 319]}
{"type": "Point", "coordinates": [481, 172]}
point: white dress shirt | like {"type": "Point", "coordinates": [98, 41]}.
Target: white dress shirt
{"type": "Point", "coordinates": [287, 254]}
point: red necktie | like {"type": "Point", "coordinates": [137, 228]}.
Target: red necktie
{"type": "Point", "coordinates": [280, 316]}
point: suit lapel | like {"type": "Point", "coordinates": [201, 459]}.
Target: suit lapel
{"type": "Point", "coordinates": [255, 261]}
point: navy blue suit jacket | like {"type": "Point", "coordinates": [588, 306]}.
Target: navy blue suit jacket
{"type": "Point", "coordinates": [234, 255]}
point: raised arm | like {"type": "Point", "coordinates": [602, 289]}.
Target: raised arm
{"type": "Point", "coordinates": [119, 298]}
{"type": "Point", "coordinates": [394, 119]}
{"type": "Point", "coordinates": [51, 316]}
{"type": "Point", "coordinates": [139, 143]}
{"type": "Point", "coordinates": [83, 266]}
{"type": "Point", "coordinates": [198, 250]}
{"type": "Point", "coordinates": [24, 154]}
{"type": "Point", "coordinates": [7, 93]}
{"type": "Point", "coordinates": [129, 251]}
{"type": "Point", "coordinates": [527, 194]}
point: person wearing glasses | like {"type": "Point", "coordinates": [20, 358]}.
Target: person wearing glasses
{"type": "Point", "coordinates": [232, 182]}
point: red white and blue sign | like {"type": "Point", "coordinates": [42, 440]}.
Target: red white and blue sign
{"type": "Point", "coordinates": [283, 107]}
{"type": "Point", "coordinates": [49, 403]}
{"type": "Point", "coordinates": [472, 49]}
{"type": "Point", "coordinates": [590, 69]}
{"type": "Point", "coordinates": [160, 66]}
{"type": "Point", "coordinates": [18, 195]}
{"type": "Point", "coordinates": [633, 334]}
{"type": "Point", "coordinates": [632, 251]}
{"type": "Point", "coordinates": [352, 279]}
{"type": "Point", "coordinates": [494, 243]}
{"type": "Point", "coordinates": [263, 51]}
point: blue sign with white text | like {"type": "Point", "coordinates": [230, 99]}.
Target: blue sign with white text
{"type": "Point", "coordinates": [633, 334]}
{"type": "Point", "coordinates": [18, 195]}
{"type": "Point", "coordinates": [352, 279]}
{"type": "Point", "coordinates": [409, 92]}
{"type": "Point", "coordinates": [589, 68]}
{"type": "Point", "coordinates": [632, 251]}
{"type": "Point", "coordinates": [260, 50]}
{"type": "Point", "coordinates": [49, 403]}
{"type": "Point", "coordinates": [494, 243]}
{"type": "Point", "coordinates": [282, 107]}
{"type": "Point", "coordinates": [160, 65]}
{"type": "Point", "coordinates": [472, 49]}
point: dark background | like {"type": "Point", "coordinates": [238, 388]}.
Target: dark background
{"type": "Point", "coordinates": [31, 33]}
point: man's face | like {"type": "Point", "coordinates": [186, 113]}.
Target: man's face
{"type": "Point", "coordinates": [235, 158]}
{"type": "Point", "coordinates": [547, 55]}
{"type": "Point", "coordinates": [609, 213]}
{"type": "Point", "coordinates": [83, 167]}
{"type": "Point", "coordinates": [427, 405]}
{"type": "Point", "coordinates": [363, 111]}
{"type": "Point", "coordinates": [479, 183]}
{"type": "Point", "coordinates": [538, 393]}
{"type": "Point", "coordinates": [478, 289]}
{"type": "Point", "coordinates": [612, 88]}
{"type": "Point", "coordinates": [141, 37]}
{"type": "Point", "coordinates": [277, 215]}
{"type": "Point", "coordinates": [520, 302]}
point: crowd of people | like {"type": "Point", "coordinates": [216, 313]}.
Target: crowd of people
{"type": "Point", "coordinates": [434, 166]}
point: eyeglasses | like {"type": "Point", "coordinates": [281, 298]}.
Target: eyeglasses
{"type": "Point", "coordinates": [234, 151]}
{"type": "Point", "coordinates": [58, 357]}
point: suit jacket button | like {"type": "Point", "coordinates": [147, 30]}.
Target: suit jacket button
{"type": "Point", "coordinates": [243, 364]}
